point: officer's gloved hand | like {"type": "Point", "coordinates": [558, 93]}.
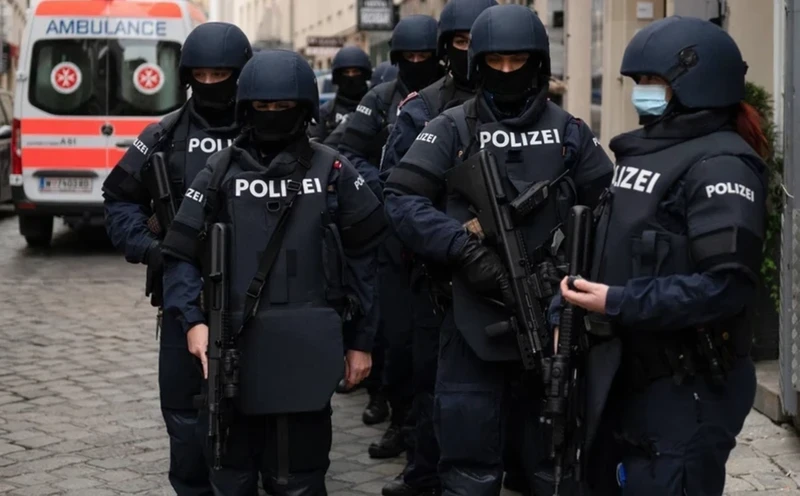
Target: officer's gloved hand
{"type": "Point", "coordinates": [483, 271]}
{"type": "Point", "coordinates": [153, 258]}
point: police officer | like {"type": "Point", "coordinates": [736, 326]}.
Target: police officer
{"type": "Point", "coordinates": [420, 474]}
{"type": "Point", "coordinates": [677, 261]}
{"type": "Point", "coordinates": [533, 140]}
{"type": "Point", "coordinates": [384, 72]}
{"type": "Point", "coordinates": [413, 50]}
{"type": "Point", "coordinates": [352, 71]}
{"type": "Point", "coordinates": [291, 343]}
{"type": "Point", "coordinates": [211, 59]}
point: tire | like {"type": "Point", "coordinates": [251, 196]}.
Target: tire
{"type": "Point", "coordinates": [37, 230]}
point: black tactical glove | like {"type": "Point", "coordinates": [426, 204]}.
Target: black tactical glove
{"type": "Point", "coordinates": [153, 258]}
{"type": "Point", "coordinates": [483, 271]}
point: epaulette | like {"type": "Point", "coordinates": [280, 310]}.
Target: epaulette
{"type": "Point", "coordinates": [408, 98]}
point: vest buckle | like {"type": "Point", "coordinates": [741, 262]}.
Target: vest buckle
{"type": "Point", "coordinates": [293, 185]}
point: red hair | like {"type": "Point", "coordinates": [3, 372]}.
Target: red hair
{"type": "Point", "coordinates": [748, 125]}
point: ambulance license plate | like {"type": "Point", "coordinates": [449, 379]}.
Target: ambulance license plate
{"type": "Point", "coordinates": [65, 184]}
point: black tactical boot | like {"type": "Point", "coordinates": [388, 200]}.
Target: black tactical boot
{"type": "Point", "coordinates": [390, 445]}
{"type": "Point", "coordinates": [398, 487]}
{"type": "Point", "coordinates": [377, 410]}
{"type": "Point", "coordinates": [517, 482]}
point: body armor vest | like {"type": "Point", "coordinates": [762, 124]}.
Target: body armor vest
{"type": "Point", "coordinates": [631, 242]}
{"type": "Point", "coordinates": [525, 156]}
{"type": "Point", "coordinates": [337, 111]}
{"type": "Point", "coordinates": [292, 347]}
{"type": "Point", "coordinates": [190, 147]}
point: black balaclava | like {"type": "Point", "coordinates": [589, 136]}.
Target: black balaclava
{"type": "Point", "coordinates": [457, 62]}
{"type": "Point", "coordinates": [417, 75]}
{"type": "Point", "coordinates": [510, 90]}
{"type": "Point", "coordinates": [272, 130]}
{"type": "Point", "coordinates": [352, 87]}
{"type": "Point", "coordinates": [215, 101]}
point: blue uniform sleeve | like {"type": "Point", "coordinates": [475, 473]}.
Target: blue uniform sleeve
{"type": "Point", "coordinates": [416, 184]}
{"type": "Point", "coordinates": [362, 128]}
{"type": "Point", "coordinates": [411, 121]}
{"type": "Point", "coordinates": [183, 284]}
{"type": "Point", "coordinates": [679, 301]}
{"type": "Point", "coordinates": [183, 281]}
{"type": "Point", "coordinates": [126, 199]}
{"type": "Point", "coordinates": [360, 219]}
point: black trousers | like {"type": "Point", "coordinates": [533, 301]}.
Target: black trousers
{"type": "Point", "coordinates": [290, 451]}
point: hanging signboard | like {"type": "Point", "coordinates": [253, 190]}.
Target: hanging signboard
{"type": "Point", "coordinates": [375, 15]}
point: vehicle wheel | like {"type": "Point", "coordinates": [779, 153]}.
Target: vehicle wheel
{"type": "Point", "coordinates": [38, 230]}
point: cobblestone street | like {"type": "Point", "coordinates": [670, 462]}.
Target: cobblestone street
{"type": "Point", "coordinates": [79, 400]}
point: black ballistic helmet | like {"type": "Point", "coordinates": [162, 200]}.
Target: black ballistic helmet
{"type": "Point", "coordinates": [699, 60]}
{"type": "Point", "coordinates": [416, 33]}
{"type": "Point", "coordinates": [459, 15]}
{"type": "Point", "coordinates": [350, 56]}
{"type": "Point", "coordinates": [215, 45]}
{"type": "Point", "coordinates": [506, 29]}
{"type": "Point", "coordinates": [273, 75]}
{"type": "Point", "coordinates": [385, 71]}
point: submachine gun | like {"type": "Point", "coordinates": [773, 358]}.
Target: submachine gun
{"type": "Point", "coordinates": [164, 209]}
{"type": "Point", "coordinates": [479, 182]}
{"type": "Point", "coordinates": [223, 356]}
{"type": "Point", "coordinates": [562, 373]}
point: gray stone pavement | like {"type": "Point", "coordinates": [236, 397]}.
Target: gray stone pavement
{"type": "Point", "coordinates": [79, 400]}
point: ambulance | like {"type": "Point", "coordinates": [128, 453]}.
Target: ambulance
{"type": "Point", "coordinates": [92, 75]}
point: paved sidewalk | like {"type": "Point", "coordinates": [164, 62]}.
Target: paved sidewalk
{"type": "Point", "coordinates": [79, 400]}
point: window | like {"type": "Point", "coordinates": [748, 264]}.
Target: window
{"type": "Point", "coordinates": [106, 77]}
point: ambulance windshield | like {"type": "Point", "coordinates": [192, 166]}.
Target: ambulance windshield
{"type": "Point", "coordinates": [115, 77]}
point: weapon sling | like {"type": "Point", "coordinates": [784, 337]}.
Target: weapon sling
{"type": "Point", "coordinates": [256, 287]}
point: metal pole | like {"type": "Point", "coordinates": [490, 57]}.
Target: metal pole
{"type": "Point", "coordinates": [790, 235]}
{"type": "Point", "coordinates": [291, 24]}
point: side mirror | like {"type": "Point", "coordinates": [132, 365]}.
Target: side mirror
{"type": "Point", "coordinates": [5, 131]}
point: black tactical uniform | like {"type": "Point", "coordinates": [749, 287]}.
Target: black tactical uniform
{"type": "Point", "coordinates": [679, 245]}
{"type": "Point", "coordinates": [532, 140]}
{"type": "Point", "coordinates": [188, 136]}
{"type": "Point", "coordinates": [362, 143]}
{"type": "Point", "coordinates": [350, 90]}
{"type": "Point", "coordinates": [291, 344]}
{"type": "Point", "coordinates": [420, 474]}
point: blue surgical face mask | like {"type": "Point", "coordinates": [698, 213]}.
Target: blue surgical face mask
{"type": "Point", "coordinates": [649, 99]}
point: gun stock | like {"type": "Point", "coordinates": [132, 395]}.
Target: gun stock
{"type": "Point", "coordinates": [562, 371]}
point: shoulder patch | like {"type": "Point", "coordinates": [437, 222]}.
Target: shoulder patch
{"type": "Point", "coordinates": [337, 164]}
{"type": "Point", "coordinates": [407, 99]}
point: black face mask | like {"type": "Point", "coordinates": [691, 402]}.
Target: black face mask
{"type": "Point", "coordinates": [352, 87]}
{"type": "Point", "coordinates": [215, 96]}
{"type": "Point", "coordinates": [458, 60]}
{"type": "Point", "coordinates": [417, 75]}
{"type": "Point", "coordinates": [510, 87]}
{"type": "Point", "coordinates": [275, 126]}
